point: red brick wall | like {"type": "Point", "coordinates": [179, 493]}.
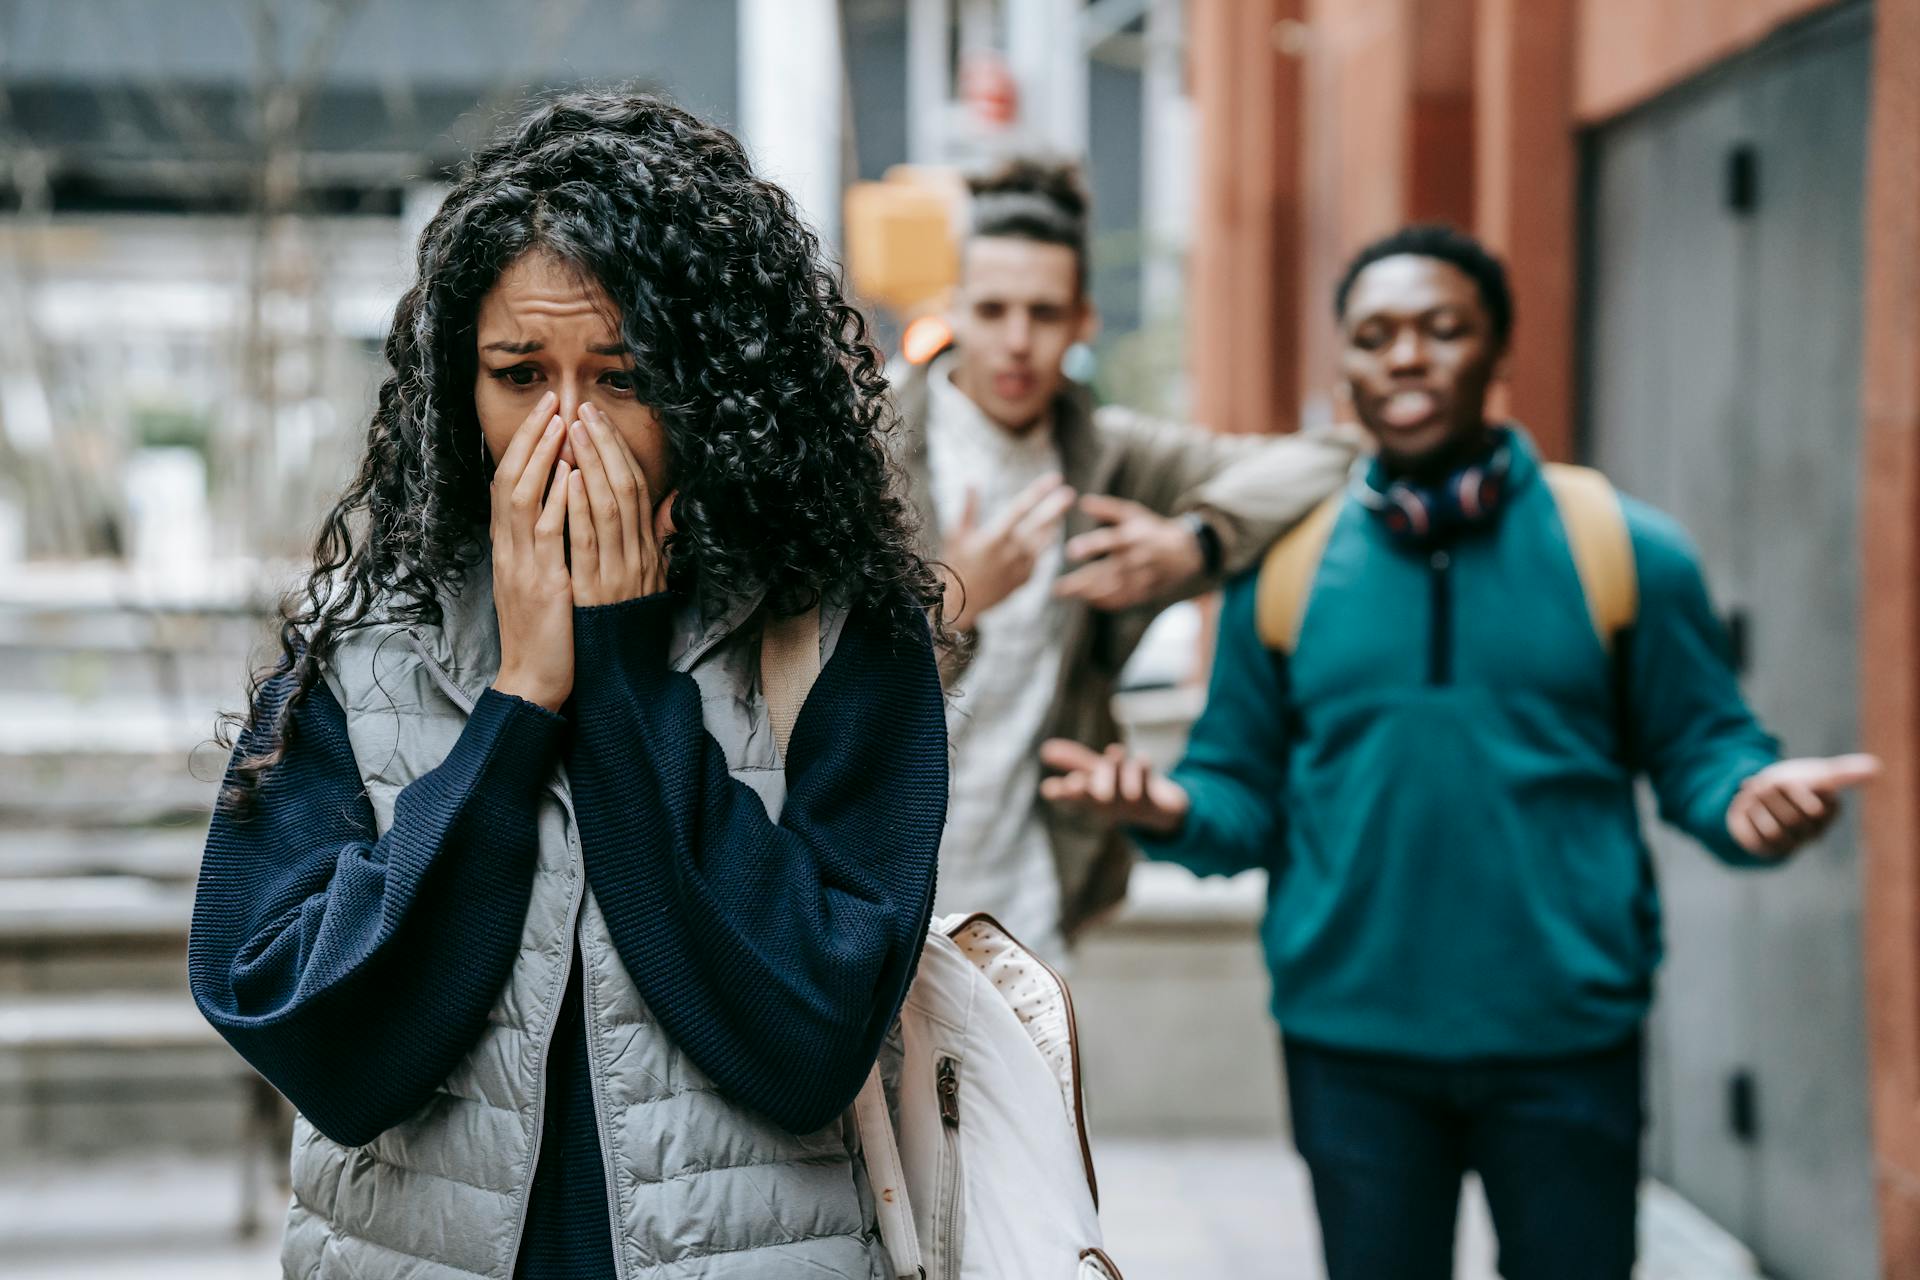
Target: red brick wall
{"type": "Point", "coordinates": [1630, 50]}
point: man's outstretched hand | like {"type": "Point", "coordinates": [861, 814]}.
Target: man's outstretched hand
{"type": "Point", "coordinates": [1134, 558]}
{"type": "Point", "coordinates": [986, 563]}
{"type": "Point", "coordinates": [1121, 787]}
{"type": "Point", "coordinates": [1790, 803]}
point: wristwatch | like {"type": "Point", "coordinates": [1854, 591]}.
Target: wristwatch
{"type": "Point", "coordinates": [1211, 554]}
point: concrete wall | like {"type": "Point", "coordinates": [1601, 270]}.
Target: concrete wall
{"type": "Point", "coordinates": [1171, 995]}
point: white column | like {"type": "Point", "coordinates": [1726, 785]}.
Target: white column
{"type": "Point", "coordinates": [1168, 165]}
{"type": "Point", "coordinates": [1049, 62]}
{"type": "Point", "coordinates": [791, 107]}
{"type": "Point", "coordinates": [929, 79]}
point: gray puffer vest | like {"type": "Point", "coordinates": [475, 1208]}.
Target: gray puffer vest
{"type": "Point", "coordinates": [697, 1187]}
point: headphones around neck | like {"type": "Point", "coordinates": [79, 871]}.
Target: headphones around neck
{"type": "Point", "coordinates": [1467, 498]}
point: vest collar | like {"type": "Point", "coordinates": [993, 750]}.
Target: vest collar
{"type": "Point", "coordinates": [466, 644]}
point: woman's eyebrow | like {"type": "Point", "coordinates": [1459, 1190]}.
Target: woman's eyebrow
{"type": "Point", "coordinates": [530, 346]}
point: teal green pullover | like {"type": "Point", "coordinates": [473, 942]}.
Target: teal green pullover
{"type": "Point", "coordinates": [1436, 782]}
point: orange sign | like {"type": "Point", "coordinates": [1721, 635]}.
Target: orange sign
{"type": "Point", "coordinates": [899, 241]}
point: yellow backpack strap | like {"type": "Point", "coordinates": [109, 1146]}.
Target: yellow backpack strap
{"type": "Point", "coordinates": [1602, 547]}
{"type": "Point", "coordinates": [1286, 576]}
{"type": "Point", "coordinates": [789, 664]}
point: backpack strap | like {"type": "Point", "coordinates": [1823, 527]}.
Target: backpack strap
{"type": "Point", "coordinates": [1590, 511]}
{"type": "Point", "coordinates": [1602, 547]}
{"type": "Point", "coordinates": [1286, 576]}
{"type": "Point", "coordinates": [789, 664]}
{"type": "Point", "coordinates": [880, 1151]}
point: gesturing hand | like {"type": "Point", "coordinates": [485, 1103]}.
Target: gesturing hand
{"type": "Point", "coordinates": [1114, 784]}
{"type": "Point", "coordinates": [1790, 803]}
{"type": "Point", "coordinates": [613, 529]}
{"type": "Point", "coordinates": [987, 563]}
{"type": "Point", "coordinates": [1136, 557]}
{"type": "Point", "coordinates": [531, 594]}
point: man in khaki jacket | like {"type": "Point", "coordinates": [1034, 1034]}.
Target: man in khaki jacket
{"type": "Point", "coordinates": [1064, 528]}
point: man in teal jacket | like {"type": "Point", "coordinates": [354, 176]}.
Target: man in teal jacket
{"type": "Point", "coordinates": [1436, 766]}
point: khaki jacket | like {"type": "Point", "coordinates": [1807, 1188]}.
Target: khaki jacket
{"type": "Point", "coordinates": [1250, 489]}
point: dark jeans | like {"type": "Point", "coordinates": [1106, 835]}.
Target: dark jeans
{"type": "Point", "coordinates": [1556, 1143]}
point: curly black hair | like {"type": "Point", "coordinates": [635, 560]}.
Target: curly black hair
{"type": "Point", "coordinates": [773, 400]}
{"type": "Point", "coordinates": [1446, 244]}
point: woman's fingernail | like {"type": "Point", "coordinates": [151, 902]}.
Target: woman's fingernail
{"type": "Point", "coordinates": [553, 424]}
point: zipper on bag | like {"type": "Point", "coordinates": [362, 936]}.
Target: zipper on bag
{"type": "Point", "coordinates": [947, 1085]}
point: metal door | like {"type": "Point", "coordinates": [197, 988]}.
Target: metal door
{"type": "Point", "coordinates": [1723, 308]}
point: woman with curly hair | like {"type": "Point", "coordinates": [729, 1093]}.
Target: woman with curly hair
{"type": "Point", "coordinates": [511, 892]}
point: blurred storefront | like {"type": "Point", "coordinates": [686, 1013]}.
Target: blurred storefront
{"type": "Point", "coordinates": [1712, 214]}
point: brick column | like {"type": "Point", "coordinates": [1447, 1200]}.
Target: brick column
{"type": "Point", "coordinates": [1243, 332]}
{"type": "Point", "coordinates": [1524, 199]}
{"type": "Point", "coordinates": [1890, 631]}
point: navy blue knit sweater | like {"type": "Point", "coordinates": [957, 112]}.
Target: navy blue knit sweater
{"type": "Point", "coordinates": [355, 969]}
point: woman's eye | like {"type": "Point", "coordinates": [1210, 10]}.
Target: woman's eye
{"type": "Point", "coordinates": [619, 381]}
{"type": "Point", "coordinates": [520, 375]}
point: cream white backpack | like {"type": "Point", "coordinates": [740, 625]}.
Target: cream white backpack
{"type": "Point", "coordinates": [988, 1175]}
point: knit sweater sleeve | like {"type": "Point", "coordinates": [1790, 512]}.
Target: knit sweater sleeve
{"type": "Point", "coordinates": [353, 969]}
{"type": "Point", "coordinates": [775, 954]}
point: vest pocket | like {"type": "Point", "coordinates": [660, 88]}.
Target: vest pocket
{"type": "Point", "coordinates": [950, 1203]}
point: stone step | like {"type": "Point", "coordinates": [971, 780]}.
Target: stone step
{"type": "Point", "coordinates": [92, 912]}
{"type": "Point", "coordinates": [169, 855]}
{"type": "Point", "coordinates": [74, 934]}
{"type": "Point", "coordinates": [100, 1044]}
{"type": "Point", "coordinates": [152, 775]}
{"type": "Point", "coordinates": [104, 1071]}
{"type": "Point", "coordinates": [123, 1021]}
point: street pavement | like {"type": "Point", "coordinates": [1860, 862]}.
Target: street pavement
{"type": "Point", "coordinates": [1173, 1209]}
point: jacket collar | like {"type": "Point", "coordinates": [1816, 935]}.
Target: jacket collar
{"type": "Point", "coordinates": [1520, 466]}
{"type": "Point", "coordinates": [466, 643]}
{"type": "Point", "coordinates": [1083, 460]}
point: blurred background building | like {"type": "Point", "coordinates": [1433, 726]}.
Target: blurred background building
{"type": "Point", "coordinates": [1712, 213]}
